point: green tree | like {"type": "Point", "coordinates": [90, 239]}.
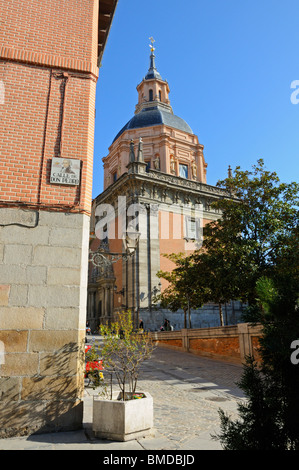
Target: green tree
{"type": "Point", "coordinates": [215, 274]}
{"type": "Point", "coordinates": [269, 416]}
{"type": "Point", "coordinates": [259, 218]}
{"type": "Point", "coordinates": [258, 239]}
{"type": "Point", "coordinates": [181, 292]}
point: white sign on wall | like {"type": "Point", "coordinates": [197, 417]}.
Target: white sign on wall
{"type": "Point", "coordinates": [65, 171]}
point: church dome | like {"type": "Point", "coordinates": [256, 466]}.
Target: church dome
{"type": "Point", "coordinates": [155, 116]}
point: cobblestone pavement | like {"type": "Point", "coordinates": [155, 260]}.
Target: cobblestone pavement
{"type": "Point", "coordinates": [187, 391]}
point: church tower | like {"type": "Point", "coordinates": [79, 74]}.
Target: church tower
{"type": "Point", "coordinates": [155, 178]}
{"type": "Point", "coordinates": [169, 144]}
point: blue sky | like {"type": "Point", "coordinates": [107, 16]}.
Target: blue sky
{"type": "Point", "coordinates": [229, 64]}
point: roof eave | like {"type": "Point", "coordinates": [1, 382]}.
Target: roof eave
{"type": "Point", "coordinates": [106, 13]}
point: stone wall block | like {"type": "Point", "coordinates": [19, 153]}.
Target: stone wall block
{"type": "Point", "coordinates": [18, 295]}
{"type": "Point", "coordinates": [10, 388]}
{"type": "Point", "coordinates": [13, 274]}
{"type": "Point", "coordinates": [66, 415]}
{"type": "Point", "coordinates": [17, 254]}
{"type": "Point", "coordinates": [53, 363]}
{"type": "Point", "coordinates": [14, 234]}
{"type": "Point", "coordinates": [14, 341]}
{"type": "Point", "coordinates": [49, 388]}
{"type": "Point", "coordinates": [53, 296]}
{"type": "Point", "coordinates": [61, 318]}
{"type": "Point", "coordinates": [60, 220]}
{"type": "Point", "coordinates": [20, 364]}
{"type": "Point", "coordinates": [56, 256]}
{"type": "Point", "coordinates": [4, 294]}
{"type": "Point", "coordinates": [19, 417]}
{"type": "Point", "coordinates": [20, 274]}
{"type": "Point", "coordinates": [61, 341]}
{"type": "Point", "coordinates": [36, 275]}
{"type": "Point", "coordinates": [64, 276]}
{"type": "Point", "coordinates": [66, 237]}
{"type": "Point", "coordinates": [12, 217]}
{"type": "Point", "coordinates": [21, 318]}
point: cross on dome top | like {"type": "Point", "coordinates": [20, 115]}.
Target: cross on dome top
{"type": "Point", "coordinates": [152, 44]}
{"type": "Point", "coordinates": [152, 71]}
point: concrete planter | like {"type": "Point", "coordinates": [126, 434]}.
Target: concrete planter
{"type": "Point", "coordinates": [118, 420]}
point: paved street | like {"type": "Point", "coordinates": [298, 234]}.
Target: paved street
{"type": "Point", "coordinates": [187, 391]}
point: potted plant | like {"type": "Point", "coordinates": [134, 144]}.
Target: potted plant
{"type": "Point", "coordinates": [127, 413]}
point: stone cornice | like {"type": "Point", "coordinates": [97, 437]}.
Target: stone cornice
{"type": "Point", "coordinates": [163, 181]}
{"type": "Point", "coordinates": [186, 184]}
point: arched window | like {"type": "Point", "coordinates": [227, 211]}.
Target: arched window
{"type": "Point", "coordinates": [151, 96]}
{"type": "Point", "coordinates": [160, 95]}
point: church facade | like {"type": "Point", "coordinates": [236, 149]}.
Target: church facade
{"type": "Point", "coordinates": [154, 182]}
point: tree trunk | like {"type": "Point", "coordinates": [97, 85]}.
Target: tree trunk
{"type": "Point", "coordinates": [220, 314]}
{"type": "Point", "coordinates": [189, 315]}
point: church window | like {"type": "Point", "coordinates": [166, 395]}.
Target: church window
{"type": "Point", "coordinates": [114, 176]}
{"type": "Point", "coordinates": [192, 228]}
{"type": "Point", "coordinates": [148, 165]}
{"type": "Point", "coordinates": [183, 171]}
{"type": "Point", "coordinates": [151, 95]}
{"type": "Point", "coordinates": [160, 95]}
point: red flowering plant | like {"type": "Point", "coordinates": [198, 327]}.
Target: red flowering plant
{"type": "Point", "coordinates": [93, 366]}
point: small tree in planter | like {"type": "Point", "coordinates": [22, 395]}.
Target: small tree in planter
{"type": "Point", "coordinates": [119, 416]}
{"type": "Point", "coordinates": [123, 352]}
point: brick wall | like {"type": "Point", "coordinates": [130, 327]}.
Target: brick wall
{"type": "Point", "coordinates": [48, 74]}
{"type": "Point", "coordinates": [43, 110]}
{"type": "Point", "coordinates": [31, 135]}
{"type": "Point", "coordinates": [64, 29]}
{"type": "Point", "coordinates": [232, 343]}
